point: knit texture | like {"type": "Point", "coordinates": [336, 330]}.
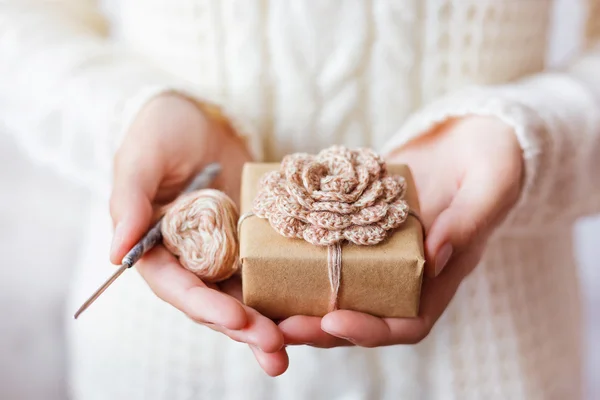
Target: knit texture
{"type": "Point", "coordinates": [337, 195]}
{"type": "Point", "coordinates": [301, 76]}
{"type": "Point", "coordinates": [200, 229]}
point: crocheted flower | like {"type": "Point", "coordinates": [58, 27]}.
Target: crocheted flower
{"type": "Point", "coordinates": [338, 194]}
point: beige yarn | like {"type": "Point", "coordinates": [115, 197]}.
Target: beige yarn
{"type": "Point", "coordinates": [338, 194]}
{"type": "Point", "coordinates": [200, 229]}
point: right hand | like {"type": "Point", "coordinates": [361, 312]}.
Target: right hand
{"type": "Point", "coordinates": [169, 142]}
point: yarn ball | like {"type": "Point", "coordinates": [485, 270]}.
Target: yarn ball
{"type": "Point", "coordinates": [200, 228]}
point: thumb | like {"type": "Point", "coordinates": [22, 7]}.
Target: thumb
{"type": "Point", "coordinates": [135, 184]}
{"type": "Point", "coordinates": [468, 220]}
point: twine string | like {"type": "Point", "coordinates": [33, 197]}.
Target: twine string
{"type": "Point", "coordinates": [334, 269]}
{"type": "Point", "coordinates": [334, 261]}
{"type": "Point", "coordinates": [243, 217]}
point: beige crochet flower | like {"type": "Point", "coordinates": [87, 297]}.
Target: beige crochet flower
{"type": "Point", "coordinates": [338, 194]}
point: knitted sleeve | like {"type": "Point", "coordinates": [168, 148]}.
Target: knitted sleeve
{"type": "Point", "coordinates": [556, 117]}
{"type": "Point", "coordinates": [67, 93]}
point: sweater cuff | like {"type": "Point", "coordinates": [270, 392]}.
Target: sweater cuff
{"type": "Point", "coordinates": [241, 127]}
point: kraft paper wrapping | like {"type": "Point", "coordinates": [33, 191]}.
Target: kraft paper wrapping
{"type": "Point", "coordinates": [283, 277]}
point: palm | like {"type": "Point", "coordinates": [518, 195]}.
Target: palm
{"type": "Point", "coordinates": [168, 144]}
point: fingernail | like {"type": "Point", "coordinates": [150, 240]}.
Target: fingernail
{"type": "Point", "coordinates": [301, 344]}
{"type": "Point", "coordinates": [255, 347]}
{"type": "Point", "coordinates": [228, 329]}
{"type": "Point", "coordinates": [340, 337]}
{"type": "Point", "coordinates": [117, 240]}
{"type": "Point", "coordinates": [442, 258]}
{"type": "Point", "coordinates": [346, 338]}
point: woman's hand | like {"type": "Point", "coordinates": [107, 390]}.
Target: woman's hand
{"type": "Point", "coordinates": [169, 142]}
{"type": "Point", "coordinates": [468, 174]}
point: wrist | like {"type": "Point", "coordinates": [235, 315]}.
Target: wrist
{"type": "Point", "coordinates": [486, 141]}
{"type": "Point", "coordinates": [221, 133]}
{"type": "Point", "coordinates": [498, 143]}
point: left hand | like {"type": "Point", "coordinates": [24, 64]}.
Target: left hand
{"type": "Point", "coordinates": [169, 142]}
{"type": "Point", "coordinates": [468, 174]}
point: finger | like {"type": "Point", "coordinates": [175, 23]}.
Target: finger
{"type": "Point", "coordinates": [186, 292]}
{"type": "Point", "coordinates": [469, 218]}
{"type": "Point", "coordinates": [274, 364]}
{"type": "Point", "coordinates": [307, 330]}
{"type": "Point", "coordinates": [420, 155]}
{"type": "Point", "coordinates": [136, 179]}
{"type": "Point", "coordinates": [369, 331]}
{"type": "Point", "coordinates": [260, 332]}
{"type": "Point", "coordinates": [437, 293]}
{"type": "Point", "coordinates": [233, 287]}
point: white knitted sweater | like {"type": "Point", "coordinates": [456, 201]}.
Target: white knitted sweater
{"type": "Point", "coordinates": [302, 75]}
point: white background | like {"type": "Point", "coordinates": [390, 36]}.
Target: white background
{"type": "Point", "coordinates": [39, 216]}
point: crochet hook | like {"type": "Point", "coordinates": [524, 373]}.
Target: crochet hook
{"type": "Point", "coordinates": [152, 237]}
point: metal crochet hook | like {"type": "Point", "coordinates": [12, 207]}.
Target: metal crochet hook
{"type": "Point", "coordinates": [152, 237]}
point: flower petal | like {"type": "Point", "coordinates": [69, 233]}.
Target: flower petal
{"type": "Point", "coordinates": [394, 187]}
{"type": "Point", "coordinates": [372, 161]}
{"type": "Point", "coordinates": [365, 235]}
{"type": "Point", "coordinates": [263, 204]}
{"type": "Point", "coordinates": [287, 226]}
{"type": "Point", "coordinates": [292, 168]}
{"type": "Point", "coordinates": [397, 214]}
{"type": "Point", "coordinates": [370, 215]}
{"type": "Point", "coordinates": [362, 177]}
{"type": "Point", "coordinates": [336, 207]}
{"type": "Point", "coordinates": [287, 207]}
{"type": "Point", "coordinates": [370, 195]}
{"type": "Point", "coordinates": [312, 175]}
{"type": "Point", "coordinates": [322, 237]}
{"type": "Point", "coordinates": [329, 220]}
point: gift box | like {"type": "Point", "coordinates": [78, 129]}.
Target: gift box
{"type": "Point", "coordinates": [284, 276]}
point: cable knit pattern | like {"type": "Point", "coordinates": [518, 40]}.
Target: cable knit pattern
{"type": "Point", "coordinates": [299, 76]}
